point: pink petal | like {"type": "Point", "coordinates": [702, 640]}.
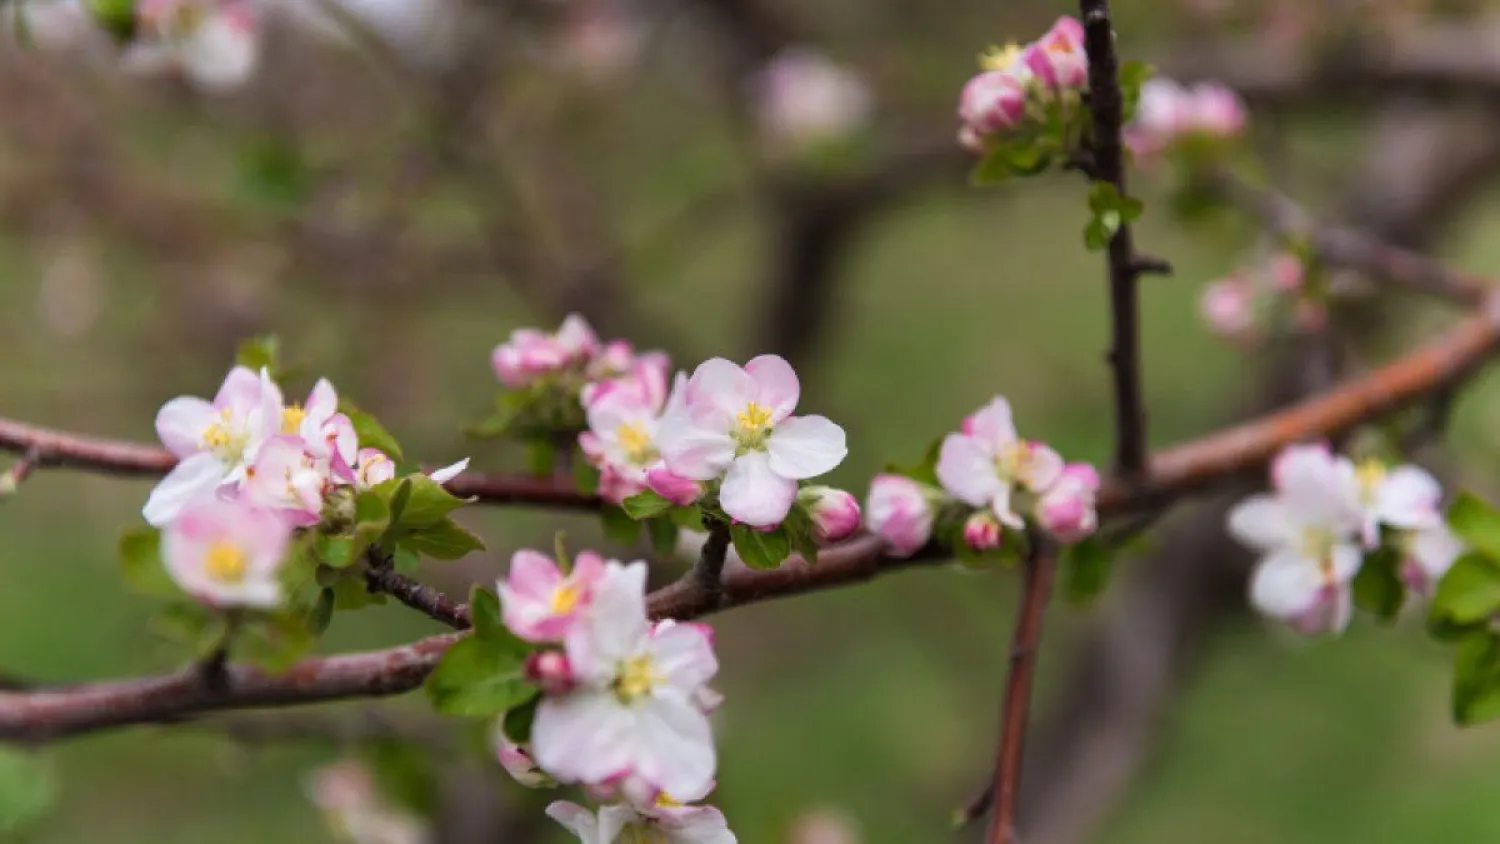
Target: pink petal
{"type": "Point", "coordinates": [181, 422]}
{"type": "Point", "coordinates": [195, 478]}
{"type": "Point", "coordinates": [754, 493]}
{"type": "Point", "coordinates": [967, 470]}
{"type": "Point", "coordinates": [721, 384]}
{"type": "Point", "coordinates": [776, 385]}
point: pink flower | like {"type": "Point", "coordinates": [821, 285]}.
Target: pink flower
{"type": "Point", "coordinates": [621, 823]}
{"type": "Point", "coordinates": [900, 510]}
{"type": "Point", "coordinates": [618, 369]}
{"type": "Point", "coordinates": [982, 531]}
{"type": "Point", "coordinates": [531, 354]}
{"type": "Point", "coordinates": [802, 98]}
{"type": "Point", "coordinates": [673, 487]}
{"type": "Point", "coordinates": [635, 709]}
{"type": "Point", "coordinates": [987, 464]}
{"type": "Point", "coordinates": [550, 671]}
{"type": "Point", "coordinates": [991, 103]}
{"type": "Point", "coordinates": [326, 433]}
{"type": "Point", "coordinates": [834, 512]}
{"type": "Point", "coordinates": [1215, 111]}
{"type": "Point", "coordinates": [621, 440]}
{"type": "Point", "coordinates": [539, 602]}
{"type": "Point", "coordinates": [735, 423]}
{"type": "Point", "coordinates": [1167, 112]}
{"type": "Point", "coordinates": [1406, 497]}
{"type": "Point", "coordinates": [1066, 509]}
{"type": "Point", "coordinates": [1287, 272]}
{"type": "Point", "coordinates": [1426, 556]}
{"type": "Point", "coordinates": [1058, 58]}
{"type": "Point", "coordinates": [1228, 306]}
{"type": "Point", "coordinates": [227, 554]}
{"type": "Point", "coordinates": [288, 479]}
{"type": "Point", "coordinates": [214, 43]}
{"type": "Point", "coordinates": [516, 760]}
{"type": "Point", "coordinates": [372, 468]}
{"type": "Point", "coordinates": [215, 441]}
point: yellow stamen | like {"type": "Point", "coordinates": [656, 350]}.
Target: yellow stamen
{"type": "Point", "coordinates": [291, 419]}
{"type": "Point", "coordinates": [754, 418]}
{"type": "Point", "coordinates": [637, 678]}
{"type": "Point", "coordinates": [1369, 475]}
{"type": "Point", "coordinates": [667, 801]}
{"type": "Point", "coordinates": [565, 598]}
{"type": "Point", "coordinates": [225, 562]}
{"type": "Point", "coordinates": [636, 441]}
{"type": "Point", "coordinates": [999, 58]}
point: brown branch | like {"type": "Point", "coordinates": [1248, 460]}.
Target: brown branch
{"type": "Point", "coordinates": [380, 576]}
{"type": "Point", "coordinates": [708, 572]}
{"type": "Point", "coordinates": [1027, 639]}
{"type": "Point", "coordinates": [1106, 103]}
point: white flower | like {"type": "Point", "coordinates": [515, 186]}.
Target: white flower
{"type": "Point", "coordinates": [636, 706]}
{"type": "Point", "coordinates": [226, 553]}
{"type": "Point", "coordinates": [215, 43]}
{"type": "Point", "coordinates": [1405, 497]}
{"type": "Point", "coordinates": [737, 423]}
{"type": "Point", "coordinates": [987, 463]}
{"type": "Point", "coordinates": [622, 823]}
{"type": "Point", "coordinates": [1427, 555]}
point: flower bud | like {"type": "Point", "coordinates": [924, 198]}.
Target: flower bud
{"type": "Point", "coordinates": [1058, 58]}
{"type": "Point", "coordinates": [550, 671]}
{"type": "Point", "coordinates": [900, 510]}
{"type": "Point", "coordinates": [991, 102]}
{"type": "Point", "coordinates": [516, 760]}
{"type": "Point", "coordinates": [834, 512]}
{"type": "Point", "coordinates": [673, 487]}
{"type": "Point", "coordinates": [1286, 272]}
{"type": "Point", "coordinates": [982, 531]}
{"type": "Point", "coordinates": [1066, 510]}
{"type": "Point", "coordinates": [1228, 307]}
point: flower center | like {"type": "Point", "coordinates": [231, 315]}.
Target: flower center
{"type": "Point", "coordinates": [1000, 58]}
{"type": "Point", "coordinates": [1369, 475]}
{"type": "Point", "coordinates": [291, 419]}
{"type": "Point", "coordinates": [1011, 460]}
{"type": "Point", "coordinates": [221, 438]}
{"type": "Point", "coordinates": [667, 801]}
{"type": "Point", "coordinates": [639, 834]}
{"type": "Point", "coordinates": [225, 562]}
{"type": "Point", "coordinates": [754, 427]}
{"type": "Point", "coordinates": [565, 598]}
{"type": "Point", "coordinates": [636, 441]}
{"type": "Point", "coordinates": [1317, 544]}
{"type": "Point", "coordinates": [636, 679]}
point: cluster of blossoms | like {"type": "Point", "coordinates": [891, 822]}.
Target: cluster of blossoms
{"type": "Point", "coordinates": [803, 100]}
{"type": "Point", "coordinates": [1322, 521]}
{"type": "Point", "coordinates": [252, 469]}
{"type": "Point", "coordinates": [1238, 306]}
{"type": "Point", "coordinates": [1170, 114]}
{"type": "Point", "coordinates": [1018, 84]}
{"type": "Point", "coordinates": [346, 794]}
{"type": "Point", "coordinates": [988, 467]}
{"type": "Point", "coordinates": [725, 432]}
{"type": "Point", "coordinates": [625, 703]}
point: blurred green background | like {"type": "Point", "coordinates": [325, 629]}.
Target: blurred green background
{"type": "Point", "coordinates": [877, 702]}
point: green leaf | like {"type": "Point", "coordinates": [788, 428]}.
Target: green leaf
{"type": "Point", "coordinates": [142, 567]}
{"type": "Point", "coordinates": [263, 352]}
{"type": "Point", "coordinates": [518, 721]}
{"type": "Point", "coordinates": [508, 408]}
{"type": "Point", "coordinates": [1469, 592]}
{"type": "Point", "coordinates": [663, 534]}
{"type": "Point", "coordinates": [28, 788]}
{"type": "Point", "coordinates": [351, 593]}
{"type": "Point", "coordinates": [1133, 74]}
{"type": "Point", "coordinates": [321, 614]}
{"type": "Point", "coordinates": [924, 471]}
{"type": "Point", "coordinates": [760, 550]}
{"type": "Point", "coordinates": [541, 457]}
{"type": "Point", "coordinates": [619, 527]}
{"type": "Point", "coordinates": [117, 17]}
{"type": "Point", "coordinates": [484, 607]}
{"type": "Point", "coordinates": [1378, 587]}
{"type": "Point", "coordinates": [1097, 233]}
{"type": "Point", "coordinates": [274, 643]}
{"type": "Point", "coordinates": [445, 540]}
{"type": "Point", "coordinates": [480, 677]}
{"type": "Point", "coordinates": [1476, 678]}
{"type": "Point", "coordinates": [427, 503]}
{"type": "Point", "coordinates": [800, 532]}
{"type": "Point", "coordinates": [371, 433]}
{"type": "Point", "coordinates": [1087, 567]}
{"type": "Point", "coordinates": [192, 626]}
{"type": "Point", "coordinates": [647, 504]}
{"type": "Point", "coordinates": [1476, 523]}
{"type": "Point", "coordinates": [586, 476]}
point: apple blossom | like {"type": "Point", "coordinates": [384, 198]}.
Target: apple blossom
{"type": "Point", "coordinates": [1308, 531]}
{"type": "Point", "coordinates": [1405, 497]}
{"type": "Point", "coordinates": [287, 478]}
{"type": "Point", "coordinates": [834, 512]}
{"type": "Point", "coordinates": [802, 98]}
{"type": "Point", "coordinates": [1228, 306]}
{"type": "Point", "coordinates": [1426, 555]}
{"type": "Point", "coordinates": [901, 511]}
{"type": "Point", "coordinates": [1058, 58]}
{"type": "Point", "coordinates": [1286, 272]}
{"type": "Point", "coordinates": [987, 464]}
{"type": "Point", "coordinates": [991, 103]}
{"type": "Point", "coordinates": [539, 602]}
{"type": "Point", "coordinates": [372, 468]}
{"type": "Point", "coordinates": [623, 823]}
{"type": "Point", "coordinates": [227, 553]}
{"type": "Point", "coordinates": [1066, 509]}
{"type": "Point", "coordinates": [621, 441]}
{"type": "Point", "coordinates": [735, 423]}
{"type": "Point", "coordinates": [215, 441]}
{"type": "Point", "coordinates": [1168, 112]}
{"type": "Point", "coordinates": [214, 43]}
{"type": "Point", "coordinates": [531, 354]}
{"type": "Point", "coordinates": [619, 369]}
{"type": "Point", "coordinates": [636, 707]}
{"type": "Point", "coordinates": [326, 433]}
{"type": "Point", "coordinates": [982, 531]}
{"type": "Point", "coordinates": [347, 795]}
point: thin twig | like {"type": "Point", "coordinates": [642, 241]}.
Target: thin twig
{"type": "Point", "coordinates": [381, 576]}
{"type": "Point", "coordinates": [19, 471]}
{"type": "Point", "coordinates": [1106, 103]}
{"type": "Point", "coordinates": [1040, 567]}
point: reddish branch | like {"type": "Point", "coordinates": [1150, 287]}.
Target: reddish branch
{"type": "Point", "coordinates": [1025, 642]}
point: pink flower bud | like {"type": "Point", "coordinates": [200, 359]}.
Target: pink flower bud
{"type": "Point", "coordinates": [900, 510]}
{"type": "Point", "coordinates": [1058, 58]}
{"type": "Point", "coordinates": [834, 512]}
{"type": "Point", "coordinates": [550, 671]}
{"type": "Point", "coordinates": [991, 102]}
{"type": "Point", "coordinates": [1228, 307]}
{"type": "Point", "coordinates": [1286, 272]}
{"type": "Point", "coordinates": [982, 531]}
{"type": "Point", "coordinates": [1216, 111]}
{"type": "Point", "coordinates": [673, 487]}
{"type": "Point", "coordinates": [516, 760]}
{"type": "Point", "coordinates": [373, 468]}
{"type": "Point", "coordinates": [1066, 510]}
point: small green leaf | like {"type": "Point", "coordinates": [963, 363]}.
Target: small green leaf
{"type": "Point", "coordinates": [274, 643]}
{"type": "Point", "coordinates": [1469, 592]}
{"type": "Point", "coordinates": [484, 608]}
{"type": "Point", "coordinates": [263, 352]}
{"type": "Point", "coordinates": [619, 527]}
{"type": "Point", "coordinates": [1476, 678]}
{"type": "Point", "coordinates": [351, 593]}
{"type": "Point", "coordinates": [760, 550]}
{"type": "Point", "coordinates": [193, 626]}
{"type": "Point", "coordinates": [800, 532]}
{"type": "Point", "coordinates": [117, 17]}
{"type": "Point", "coordinates": [427, 503]}
{"type": "Point", "coordinates": [646, 505]}
{"type": "Point", "coordinates": [1096, 235]}
{"type": "Point", "coordinates": [518, 721]}
{"type": "Point", "coordinates": [508, 408]}
{"type": "Point", "coordinates": [321, 614]}
{"type": "Point", "coordinates": [1377, 586]}
{"type": "Point", "coordinates": [1133, 74]}
{"type": "Point", "coordinates": [445, 540]}
{"type": "Point", "coordinates": [371, 433]}
{"type": "Point", "coordinates": [142, 567]}
{"type": "Point", "coordinates": [1087, 567]}
{"type": "Point", "coordinates": [28, 789]}
{"type": "Point", "coordinates": [924, 471]}
{"type": "Point", "coordinates": [1476, 523]}
{"type": "Point", "coordinates": [481, 677]}
{"type": "Point", "coordinates": [663, 534]}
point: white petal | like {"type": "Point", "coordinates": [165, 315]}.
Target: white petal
{"type": "Point", "coordinates": [1261, 521]}
{"type": "Point", "coordinates": [723, 385]}
{"type": "Point", "coordinates": [692, 449]}
{"type": "Point", "coordinates": [684, 654]}
{"type": "Point", "coordinates": [776, 385]}
{"type": "Point", "coordinates": [1000, 504]}
{"type": "Point", "coordinates": [967, 471]}
{"type": "Point", "coordinates": [1408, 498]}
{"type": "Point", "coordinates": [1346, 561]}
{"type": "Point", "coordinates": [613, 820]}
{"type": "Point", "coordinates": [676, 746]}
{"type": "Point", "coordinates": [755, 494]}
{"type": "Point", "coordinates": [240, 391]}
{"type": "Point", "coordinates": [992, 423]}
{"type": "Point", "coordinates": [615, 626]}
{"type": "Point", "coordinates": [585, 736]}
{"type": "Point", "coordinates": [323, 401]}
{"type": "Point", "coordinates": [448, 473]}
{"type": "Point", "coordinates": [1434, 551]}
{"type": "Point", "coordinates": [222, 54]}
{"type": "Point", "coordinates": [193, 479]}
{"type": "Point", "coordinates": [805, 447]}
{"type": "Point", "coordinates": [1286, 585]}
{"type": "Point", "coordinates": [181, 422]}
{"type": "Point", "coordinates": [702, 825]}
{"type": "Point", "coordinates": [578, 820]}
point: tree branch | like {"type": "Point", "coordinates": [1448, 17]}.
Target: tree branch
{"type": "Point", "coordinates": [1107, 106]}
{"type": "Point", "coordinates": [708, 572]}
{"type": "Point", "coordinates": [1040, 567]}
{"type": "Point", "coordinates": [381, 576]}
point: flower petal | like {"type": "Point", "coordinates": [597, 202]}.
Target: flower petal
{"type": "Point", "coordinates": [578, 820]}
{"type": "Point", "coordinates": [992, 423]}
{"type": "Point", "coordinates": [586, 736]}
{"type": "Point", "coordinates": [1286, 585]}
{"type": "Point", "coordinates": [754, 493]}
{"type": "Point", "coordinates": [181, 422]}
{"type": "Point", "coordinates": [967, 471]}
{"type": "Point", "coordinates": [194, 478]}
{"type": "Point", "coordinates": [684, 654]}
{"type": "Point", "coordinates": [722, 385]}
{"type": "Point", "coordinates": [448, 473]}
{"type": "Point", "coordinates": [1262, 521]}
{"type": "Point", "coordinates": [805, 447]}
{"type": "Point", "coordinates": [675, 745]}
{"type": "Point", "coordinates": [692, 449]}
{"type": "Point", "coordinates": [1409, 499]}
{"type": "Point", "coordinates": [776, 385]}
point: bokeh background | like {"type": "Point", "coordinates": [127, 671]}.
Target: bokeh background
{"type": "Point", "coordinates": [393, 206]}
